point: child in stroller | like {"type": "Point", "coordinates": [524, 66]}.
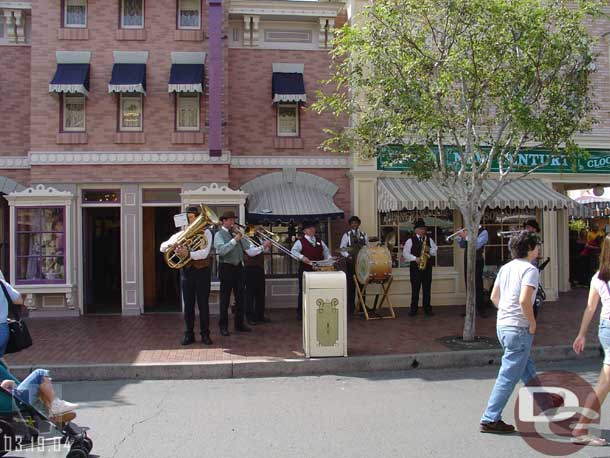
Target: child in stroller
{"type": "Point", "coordinates": [23, 425]}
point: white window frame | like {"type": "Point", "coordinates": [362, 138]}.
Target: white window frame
{"type": "Point", "coordinates": [65, 98]}
{"type": "Point", "coordinates": [287, 134]}
{"type": "Point", "coordinates": [180, 27]}
{"type": "Point", "coordinates": [131, 129]}
{"type": "Point", "coordinates": [75, 26]}
{"type": "Point", "coordinates": [179, 98]}
{"type": "Point", "coordinates": [123, 26]}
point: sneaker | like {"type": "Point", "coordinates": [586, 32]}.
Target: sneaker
{"type": "Point", "coordinates": [60, 407]}
{"type": "Point", "coordinates": [497, 427]}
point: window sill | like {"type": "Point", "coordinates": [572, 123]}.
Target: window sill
{"type": "Point", "coordinates": [288, 143]}
{"type": "Point", "coordinates": [187, 137]}
{"type": "Point", "coordinates": [131, 34]}
{"type": "Point", "coordinates": [72, 33]}
{"type": "Point", "coordinates": [129, 137]}
{"type": "Point", "coordinates": [188, 35]}
{"type": "Point", "coordinates": [71, 138]}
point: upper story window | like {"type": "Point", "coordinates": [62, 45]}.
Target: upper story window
{"type": "Point", "coordinates": [132, 14]}
{"type": "Point", "coordinates": [288, 119]}
{"type": "Point", "coordinates": [75, 13]}
{"type": "Point", "coordinates": [2, 26]}
{"type": "Point", "coordinates": [73, 113]}
{"type": "Point", "coordinates": [187, 111]}
{"type": "Point", "coordinates": [189, 14]}
{"type": "Point", "coordinates": [130, 113]}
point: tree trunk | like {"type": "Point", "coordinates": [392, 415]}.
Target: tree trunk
{"type": "Point", "coordinates": [472, 220]}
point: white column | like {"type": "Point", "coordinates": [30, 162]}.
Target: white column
{"type": "Point", "coordinates": [10, 26]}
{"type": "Point", "coordinates": [130, 249]}
{"type": "Point", "coordinates": [550, 276]}
{"type": "Point", "coordinates": [19, 26]}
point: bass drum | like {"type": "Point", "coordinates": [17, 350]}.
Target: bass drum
{"type": "Point", "coordinates": [373, 264]}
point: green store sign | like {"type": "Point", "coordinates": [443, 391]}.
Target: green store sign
{"type": "Point", "coordinates": [598, 161]}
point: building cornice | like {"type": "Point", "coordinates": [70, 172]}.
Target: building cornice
{"type": "Point", "coordinates": [126, 157]}
{"type": "Point", "coordinates": [285, 8]}
{"type": "Point", "coordinates": [16, 5]}
{"type": "Point", "coordinates": [310, 162]}
{"type": "Point", "coordinates": [14, 162]}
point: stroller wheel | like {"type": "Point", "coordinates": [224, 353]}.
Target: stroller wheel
{"type": "Point", "coordinates": [7, 436]}
{"type": "Point", "coordinates": [77, 453]}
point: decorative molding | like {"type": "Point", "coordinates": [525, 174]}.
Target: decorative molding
{"type": "Point", "coordinates": [214, 189]}
{"type": "Point", "coordinates": [16, 5]}
{"type": "Point", "coordinates": [38, 191]}
{"type": "Point", "coordinates": [124, 157]}
{"type": "Point", "coordinates": [14, 162]}
{"type": "Point", "coordinates": [263, 10]}
{"type": "Point", "coordinates": [311, 162]}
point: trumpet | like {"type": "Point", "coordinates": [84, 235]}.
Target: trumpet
{"type": "Point", "coordinates": [508, 233]}
{"type": "Point", "coordinates": [249, 231]}
{"type": "Point", "coordinates": [449, 238]}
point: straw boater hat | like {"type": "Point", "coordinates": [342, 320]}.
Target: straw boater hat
{"type": "Point", "coordinates": [227, 215]}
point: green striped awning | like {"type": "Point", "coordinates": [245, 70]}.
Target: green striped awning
{"type": "Point", "coordinates": [395, 194]}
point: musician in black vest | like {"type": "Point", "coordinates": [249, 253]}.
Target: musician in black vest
{"type": "Point", "coordinates": [255, 284]}
{"type": "Point", "coordinates": [481, 241]}
{"type": "Point", "coordinates": [420, 278]}
{"type": "Point", "coordinates": [351, 243]}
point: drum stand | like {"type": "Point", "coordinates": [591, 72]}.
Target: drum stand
{"type": "Point", "coordinates": [372, 313]}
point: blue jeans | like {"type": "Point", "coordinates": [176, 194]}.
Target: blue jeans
{"type": "Point", "coordinates": [4, 334]}
{"type": "Point", "coordinates": [516, 365]}
{"type": "Point", "coordinates": [604, 339]}
{"type": "Point", "coordinates": [28, 390]}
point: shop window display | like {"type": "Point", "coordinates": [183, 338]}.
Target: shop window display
{"type": "Point", "coordinates": [497, 221]}
{"type": "Point", "coordinates": [396, 227]}
{"type": "Point", "coordinates": [40, 250]}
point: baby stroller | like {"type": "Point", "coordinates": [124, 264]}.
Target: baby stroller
{"type": "Point", "coordinates": [540, 294]}
{"type": "Point", "coordinates": [24, 427]}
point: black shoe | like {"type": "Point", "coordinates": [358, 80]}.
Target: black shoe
{"type": "Point", "coordinates": [412, 312]}
{"type": "Point", "coordinates": [497, 427]}
{"type": "Point", "coordinates": [205, 339]}
{"type": "Point", "coordinates": [264, 320]}
{"type": "Point", "coordinates": [224, 332]}
{"type": "Point", "coordinates": [242, 328]}
{"type": "Point", "coordinates": [188, 338]}
{"type": "Point", "coordinates": [251, 321]}
{"type": "Point", "coordinates": [428, 312]}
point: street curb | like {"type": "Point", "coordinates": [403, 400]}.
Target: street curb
{"type": "Point", "coordinates": [295, 367]}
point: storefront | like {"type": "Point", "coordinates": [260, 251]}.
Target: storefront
{"type": "Point", "coordinates": [388, 201]}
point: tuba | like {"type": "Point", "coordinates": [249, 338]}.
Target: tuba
{"type": "Point", "coordinates": [425, 254]}
{"type": "Point", "coordinates": [193, 238]}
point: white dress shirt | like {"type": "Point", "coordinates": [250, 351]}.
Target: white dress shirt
{"type": "Point", "coordinates": [406, 252]}
{"type": "Point", "coordinates": [196, 254]}
{"type": "Point", "coordinates": [298, 247]}
{"type": "Point", "coordinates": [345, 240]}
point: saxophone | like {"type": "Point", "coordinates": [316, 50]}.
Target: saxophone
{"type": "Point", "coordinates": [425, 254]}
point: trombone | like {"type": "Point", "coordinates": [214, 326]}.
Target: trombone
{"type": "Point", "coordinates": [449, 238]}
{"type": "Point", "coordinates": [508, 233]}
{"type": "Point", "coordinates": [248, 231]}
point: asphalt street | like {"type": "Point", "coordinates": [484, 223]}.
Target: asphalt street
{"type": "Point", "coordinates": [421, 413]}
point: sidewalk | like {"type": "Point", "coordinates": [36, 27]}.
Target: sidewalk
{"type": "Point", "coordinates": [155, 339]}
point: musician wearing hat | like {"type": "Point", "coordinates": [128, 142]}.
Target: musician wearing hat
{"type": "Point", "coordinates": [351, 243]}
{"type": "Point", "coordinates": [195, 280]}
{"type": "Point", "coordinates": [308, 249]}
{"type": "Point", "coordinates": [230, 247]}
{"type": "Point", "coordinates": [420, 268]}
{"type": "Point", "coordinates": [255, 284]}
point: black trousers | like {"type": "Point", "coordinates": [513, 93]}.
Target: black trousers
{"type": "Point", "coordinates": [351, 287]}
{"type": "Point", "coordinates": [255, 293]}
{"type": "Point", "coordinates": [420, 279]}
{"type": "Point", "coordinates": [231, 280]}
{"type": "Point", "coordinates": [196, 287]}
{"type": "Point", "coordinates": [479, 301]}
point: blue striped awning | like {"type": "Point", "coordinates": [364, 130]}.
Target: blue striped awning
{"type": "Point", "coordinates": [396, 194]}
{"type": "Point", "coordinates": [286, 196]}
{"type": "Point", "coordinates": [186, 78]}
{"type": "Point", "coordinates": [128, 78]}
{"type": "Point", "coordinates": [71, 78]}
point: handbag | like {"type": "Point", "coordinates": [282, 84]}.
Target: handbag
{"type": "Point", "coordinates": [19, 334]}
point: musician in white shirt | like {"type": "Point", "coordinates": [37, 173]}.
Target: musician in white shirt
{"type": "Point", "coordinates": [351, 243]}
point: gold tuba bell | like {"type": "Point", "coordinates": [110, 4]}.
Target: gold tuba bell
{"type": "Point", "coordinates": [193, 238]}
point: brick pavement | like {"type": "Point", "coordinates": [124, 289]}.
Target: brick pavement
{"type": "Point", "coordinates": [155, 338]}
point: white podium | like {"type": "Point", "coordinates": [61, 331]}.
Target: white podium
{"type": "Point", "coordinates": [324, 314]}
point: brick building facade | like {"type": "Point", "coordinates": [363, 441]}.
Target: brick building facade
{"type": "Point", "coordinates": [106, 135]}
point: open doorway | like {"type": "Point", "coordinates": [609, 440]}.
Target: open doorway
{"type": "Point", "coordinates": [161, 283]}
{"type": "Point", "coordinates": [102, 259]}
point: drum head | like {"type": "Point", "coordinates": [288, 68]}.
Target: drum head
{"type": "Point", "coordinates": [363, 265]}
